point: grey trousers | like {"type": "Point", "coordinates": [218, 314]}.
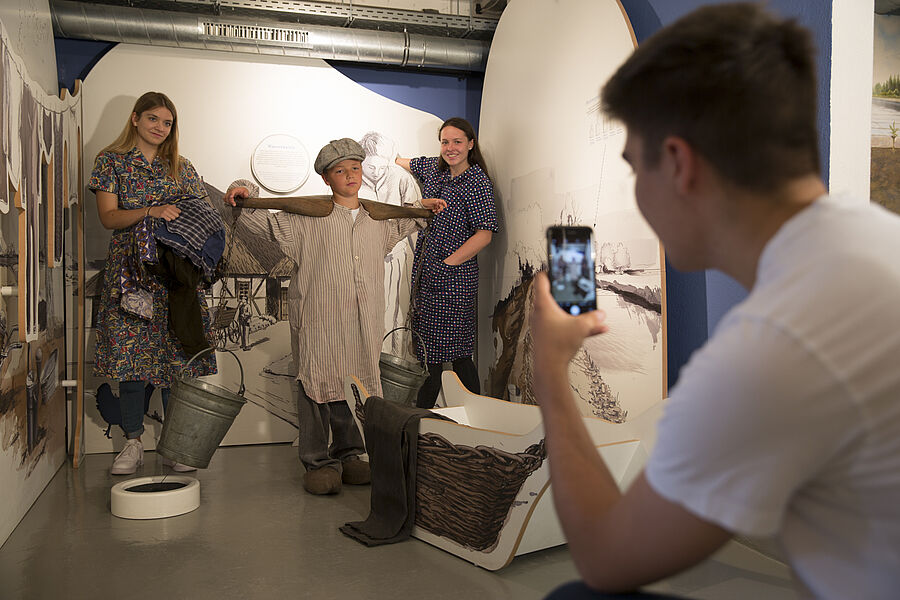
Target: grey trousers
{"type": "Point", "coordinates": [315, 422]}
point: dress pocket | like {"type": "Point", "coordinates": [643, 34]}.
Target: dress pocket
{"type": "Point", "coordinates": [442, 276]}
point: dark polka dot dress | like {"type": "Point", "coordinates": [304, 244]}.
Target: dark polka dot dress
{"type": "Point", "coordinates": [445, 302]}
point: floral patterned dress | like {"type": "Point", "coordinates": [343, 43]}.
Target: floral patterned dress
{"type": "Point", "coordinates": [130, 348]}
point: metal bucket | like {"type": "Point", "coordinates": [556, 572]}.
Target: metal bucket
{"type": "Point", "coordinates": [198, 416]}
{"type": "Point", "coordinates": [400, 378]}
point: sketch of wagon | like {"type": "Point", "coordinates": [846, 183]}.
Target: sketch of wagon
{"type": "Point", "coordinates": [225, 326]}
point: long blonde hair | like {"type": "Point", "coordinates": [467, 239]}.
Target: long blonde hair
{"type": "Point", "coordinates": [168, 150]}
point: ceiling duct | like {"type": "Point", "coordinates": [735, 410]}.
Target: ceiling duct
{"type": "Point", "coordinates": [267, 36]}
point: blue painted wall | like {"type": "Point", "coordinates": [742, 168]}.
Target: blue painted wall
{"type": "Point", "coordinates": [76, 58]}
{"type": "Point", "coordinates": [443, 95]}
{"type": "Point", "coordinates": [696, 301]}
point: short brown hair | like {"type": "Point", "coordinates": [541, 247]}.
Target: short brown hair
{"type": "Point", "coordinates": [735, 82]}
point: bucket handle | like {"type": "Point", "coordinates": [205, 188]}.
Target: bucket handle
{"type": "Point", "coordinates": [205, 350]}
{"type": "Point", "coordinates": [415, 333]}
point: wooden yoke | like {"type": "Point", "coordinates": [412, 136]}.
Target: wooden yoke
{"type": "Point", "coordinates": [310, 206]}
{"type": "Point", "coordinates": [381, 211]}
{"type": "Point", "coordinates": [321, 206]}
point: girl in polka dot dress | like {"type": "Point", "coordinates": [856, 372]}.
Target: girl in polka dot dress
{"type": "Point", "coordinates": [445, 279]}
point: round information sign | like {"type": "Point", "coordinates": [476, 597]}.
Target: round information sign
{"type": "Point", "coordinates": [280, 163]}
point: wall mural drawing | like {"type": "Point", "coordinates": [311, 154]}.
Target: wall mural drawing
{"type": "Point", "coordinates": [392, 184]}
{"type": "Point", "coordinates": [41, 381]}
{"type": "Point", "coordinates": [566, 168]}
{"type": "Point", "coordinates": [251, 318]}
{"type": "Point", "coordinates": [885, 166]}
{"type": "Point", "coordinates": [35, 193]}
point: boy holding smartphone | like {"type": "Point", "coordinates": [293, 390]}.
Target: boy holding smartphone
{"type": "Point", "coordinates": [787, 422]}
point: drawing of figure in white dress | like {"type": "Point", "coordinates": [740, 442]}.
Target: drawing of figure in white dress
{"type": "Point", "coordinates": [392, 184]}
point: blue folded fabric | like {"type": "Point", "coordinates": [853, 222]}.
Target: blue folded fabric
{"type": "Point", "coordinates": [198, 235]}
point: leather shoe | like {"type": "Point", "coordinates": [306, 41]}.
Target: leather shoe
{"type": "Point", "coordinates": [356, 472]}
{"type": "Point", "coordinates": [322, 481]}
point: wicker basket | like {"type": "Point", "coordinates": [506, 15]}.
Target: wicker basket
{"type": "Point", "coordinates": [465, 494]}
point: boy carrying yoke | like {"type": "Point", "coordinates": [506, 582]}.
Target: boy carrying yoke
{"type": "Point", "coordinates": [337, 309]}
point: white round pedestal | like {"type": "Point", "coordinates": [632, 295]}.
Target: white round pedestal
{"type": "Point", "coordinates": [129, 504]}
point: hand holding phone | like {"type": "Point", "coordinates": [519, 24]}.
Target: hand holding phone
{"type": "Point", "coordinates": [570, 254]}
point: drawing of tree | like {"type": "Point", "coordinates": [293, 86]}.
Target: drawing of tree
{"type": "Point", "coordinates": [607, 258]}
{"type": "Point", "coordinates": [621, 258]}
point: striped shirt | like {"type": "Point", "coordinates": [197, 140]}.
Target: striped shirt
{"type": "Point", "coordinates": [339, 303]}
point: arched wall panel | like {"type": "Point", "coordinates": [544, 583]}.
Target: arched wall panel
{"type": "Point", "coordinates": [556, 159]}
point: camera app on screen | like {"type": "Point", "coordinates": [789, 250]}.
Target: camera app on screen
{"type": "Point", "coordinates": [570, 253]}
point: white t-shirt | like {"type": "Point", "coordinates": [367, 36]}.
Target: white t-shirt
{"type": "Point", "coordinates": [787, 422]}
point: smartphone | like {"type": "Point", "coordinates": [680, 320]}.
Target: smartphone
{"type": "Point", "coordinates": [570, 254]}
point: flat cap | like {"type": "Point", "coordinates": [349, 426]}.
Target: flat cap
{"type": "Point", "coordinates": [337, 150]}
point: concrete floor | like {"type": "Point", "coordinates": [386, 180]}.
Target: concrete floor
{"type": "Point", "coordinates": [257, 534]}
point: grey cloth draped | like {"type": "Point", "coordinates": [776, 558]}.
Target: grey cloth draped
{"type": "Point", "coordinates": [392, 433]}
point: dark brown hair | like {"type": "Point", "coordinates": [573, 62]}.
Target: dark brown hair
{"type": "Point", "coordinates": [474, 157]}
{"type": "Point", "coordinates": [168, 150]}
{"type": "Point", "coordinates": [735, 82]}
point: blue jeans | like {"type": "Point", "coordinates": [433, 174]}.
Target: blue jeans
{"type": "Point", "coordinates": [577, 590]}
{"type": "Point", "coordinates": [131, 403]}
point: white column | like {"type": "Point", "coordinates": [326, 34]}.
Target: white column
{"type": "Point", "coordinates": [851, 97]}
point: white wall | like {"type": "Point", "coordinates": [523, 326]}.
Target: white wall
{"type": "Point", "coordinates": [851, 97]}
{"type": "Point", "coordinates": [30, 34]}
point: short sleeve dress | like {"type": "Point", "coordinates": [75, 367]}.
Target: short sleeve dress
{"type": "Point", "coordinates": [130, 348]}
{"type": "Point", "coordinates": [445, 300]}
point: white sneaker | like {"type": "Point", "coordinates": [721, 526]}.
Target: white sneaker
{"type": "Point", "coordinates": [129, 459]}
{"type": "Point", "coordinates": [177, 466]}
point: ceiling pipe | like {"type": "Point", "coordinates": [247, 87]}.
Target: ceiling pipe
{"type": "Point", "coordinates": [102, 22]}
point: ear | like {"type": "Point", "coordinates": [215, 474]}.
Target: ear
{"type": "Point", "coordinates": [134, 119]}
{"type": "Point", "coordinates": [681, 163]}
{"type": "Point", "coordinates": [325, 179]}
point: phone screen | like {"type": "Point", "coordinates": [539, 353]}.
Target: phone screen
{"type": "Point", "coordinates": [570, 252]}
